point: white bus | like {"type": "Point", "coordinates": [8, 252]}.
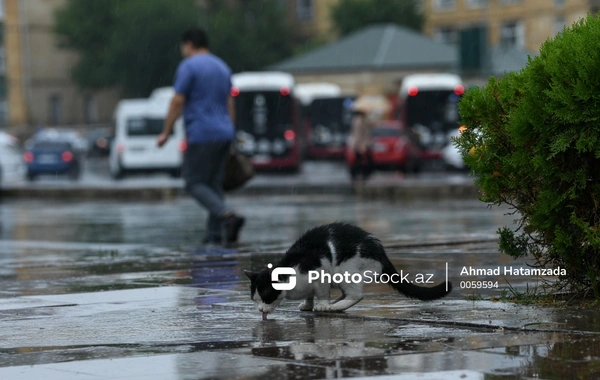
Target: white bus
{"type": "Point", "coordinates": [428, 104]}
{"type": "Point", "coordinates": [138, 122]}
{"type": "Point", "coordinates": [306, 92]}
{"type": "Point", "coordinates": [267, 119]}
{"type": "Point", "coordinates": [326, 118]}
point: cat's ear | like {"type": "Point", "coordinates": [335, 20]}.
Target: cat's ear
{"type": "Point", "coordinates": [251, 275]}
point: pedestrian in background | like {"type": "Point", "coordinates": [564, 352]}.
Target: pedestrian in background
{"type": "Point", "coordinates": [360, 143]}
{"type": "Point", "coordinates": [202, 93]}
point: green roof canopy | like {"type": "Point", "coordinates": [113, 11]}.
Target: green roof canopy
{"type": "Point", "coordinates": [375, 47]}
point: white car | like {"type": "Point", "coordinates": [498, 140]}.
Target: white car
{"type": "Point", "coordinates": [11, 163]}
{"type": "Point", "coordinates": [451, 155]}
{"type": "Point", "coordinates": [138, 122]}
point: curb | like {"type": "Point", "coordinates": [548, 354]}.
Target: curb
{"type": "Point", "coordinates": [91, 193]}
{"type": "Point", "coordinates": [421, 191]}
{"type": "Point", "coordinates": [394, 192]}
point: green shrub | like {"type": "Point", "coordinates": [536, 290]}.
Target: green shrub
{"type": "Point", "coordinates": [533, 139]}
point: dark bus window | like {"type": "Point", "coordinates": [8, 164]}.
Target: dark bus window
{"type": "Point", "coordinates": [264, 113]}
{"type": "Point", "coordinates": [436, 110]}
{"type": "Point", "coordinates": [332, 113]}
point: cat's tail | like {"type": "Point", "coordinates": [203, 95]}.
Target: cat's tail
{"type": "Point", "coordinates": [413, 291]}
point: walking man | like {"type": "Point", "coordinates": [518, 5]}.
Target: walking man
{"type": "Point", "coordinates": [202, 93]}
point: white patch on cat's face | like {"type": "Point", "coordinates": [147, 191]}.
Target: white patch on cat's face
{"type": "Point", "coordinates": [266, 307]}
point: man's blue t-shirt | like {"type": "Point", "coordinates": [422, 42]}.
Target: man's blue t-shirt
{"type": "Point", "coordinates": [205, 81]}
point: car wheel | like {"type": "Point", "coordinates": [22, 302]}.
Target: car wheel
{"type": "Point", "coordinates": [74, 173]}
{"type": "Point", "coordinates": [294, 169]}
{"type": "Point", "coordinates": [118, 173]}
{"type": "Point", "coordinates": [417, 166]}
{"type": "Point", "coordinates": [175, 173]}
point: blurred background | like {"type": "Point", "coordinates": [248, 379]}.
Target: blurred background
{"type": "Point", "coordinates": [69, 70]}
{"type": "Point", "coordinates": [90, 216]}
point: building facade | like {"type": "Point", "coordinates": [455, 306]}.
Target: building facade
{"type": "Point", "coordinates": [523, 24]}
{"type": "Point", "coordinates": [379, 66]}
{"type": "Point", "coordinates": [39, 89]}
{"type": "Point", "coordinates": [312, 18]}
{"type": "Point", "coordinates": [38, 72]}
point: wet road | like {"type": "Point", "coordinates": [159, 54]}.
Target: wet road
{"type": "Point", "coordinates": [96, 172]}
{"type": "Point", "coordinates": [328, 177]}
{"type": "Point", "coordinates": [123, 290]}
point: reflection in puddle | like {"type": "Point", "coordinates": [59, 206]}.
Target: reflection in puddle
{"type": "Point", "coordinates": [422, 348]}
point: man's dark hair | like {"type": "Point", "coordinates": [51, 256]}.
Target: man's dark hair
{"type": "Point", "coordinates": [197, 36]}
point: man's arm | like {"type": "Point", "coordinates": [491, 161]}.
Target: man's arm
{"type": "Point", "coordinates": [175, 109]}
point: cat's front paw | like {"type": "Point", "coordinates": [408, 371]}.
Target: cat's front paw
{"type": "Point", "coordinates": [322, 307]}
{"type": "Point", "coordinates": [304, 306]}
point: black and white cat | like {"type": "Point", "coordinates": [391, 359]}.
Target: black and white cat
{"type": "Point", "coordinates": [332, 248]}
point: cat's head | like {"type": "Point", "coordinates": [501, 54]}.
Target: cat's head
{"type": "Point", "coordinates": [262, 293]}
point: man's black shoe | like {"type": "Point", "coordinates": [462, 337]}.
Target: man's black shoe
{"type": "Point", "coordinates": [233, 224]}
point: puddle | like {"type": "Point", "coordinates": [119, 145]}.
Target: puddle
{"type": "Point", "coordinates": [125, 288]}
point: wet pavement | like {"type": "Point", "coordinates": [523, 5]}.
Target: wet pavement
{"type": "Point", "coordinates": [315, 178]}
{"type": "Point", "coordinates": [117, 290]}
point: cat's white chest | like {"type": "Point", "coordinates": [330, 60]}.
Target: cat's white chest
{"type": "Point", "coordinates": [302, 290]}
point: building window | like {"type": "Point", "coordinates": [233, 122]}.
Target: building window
{"type": "Point", "coordinates": [304, 10]}
{"type": "Point", "coordinates": [445, 5]}
{"type": "Point", "coordinates": [559, 3]}
{"type": "Point", "coordinates": [477, 3]}
{"type": "Point", "coordinates": [513, 34]}
{"type": "Point", "coordinates": [446, 35]}
{"type": "Point", "coordinates": [90, 110]}
{"type": "Point", "coordinates": [55, 110]}
{"type": "Point", "coordinates": [559, 24]}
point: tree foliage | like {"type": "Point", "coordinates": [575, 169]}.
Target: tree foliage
{"type": "Point", "coordinates": [534, 142]}
{"type": "Point", "coordinates": [248, 35]}
{"type": "Point", "coordinates": [351, 15]}
{"type": "Point", "coordinates": [133, 44]}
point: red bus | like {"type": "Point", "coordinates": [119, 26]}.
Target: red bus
{"type": "Point", "coordinates": [330, 121]}
{"type": "Point", "coordinates": [266, 119]}
{"type": "Point", "coordinates": [428, 105]}
{"type": "Point", "coordinates": [326, 118]}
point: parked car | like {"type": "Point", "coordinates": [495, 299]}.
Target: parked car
{"type": "Point", "coordinates": [138, 122]}
{"type": "Point", "coordinates": [394, 147]}
{"type": "Point", "coordinates": [52, 157]}
{"type": "Point", "coordinates": [77, 141]}
{"type": "Point", "coordinates": [11, 165]}
{"type": "Point", "coordinates": [99, 141]}
{"type": "Point", "coordinates": [451, 155]}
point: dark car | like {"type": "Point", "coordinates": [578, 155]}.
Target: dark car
{"type": "Point", "coordinates": [394, 147]}
{"type": "Point", "coordinates": [99, 142]}
{"type": "Point", "coordinates": [52, 157]}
